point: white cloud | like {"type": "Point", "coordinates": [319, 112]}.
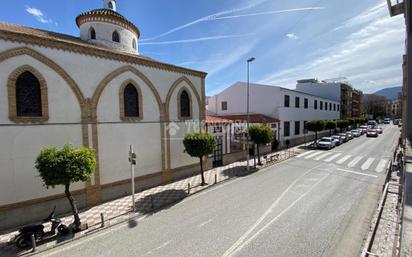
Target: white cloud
{"type": "Point", "coordinates": [39, 15]}
{"type": "Point", "coordinates": [292, 36]}
{"type": "Point", "coordinates": [371, 52]}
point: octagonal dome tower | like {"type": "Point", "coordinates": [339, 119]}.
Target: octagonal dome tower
{"type": "Point", "coordinates": [107, 28]}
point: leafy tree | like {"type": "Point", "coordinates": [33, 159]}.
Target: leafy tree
{"type": "Point", "coordinates": [351, 122]}
{"type": "Point", "coordinates": [65, 166]}
{"type": "Point", "coordinates": [260, 135]}
{"type": "Point", "coordinates": [199, 144]}
{"type": "Point", "coordinates": [315, 126]}
{"type": "Point", "coordinates": [331, 125]}
{"type": "Point", "coordinates": [342, 124]}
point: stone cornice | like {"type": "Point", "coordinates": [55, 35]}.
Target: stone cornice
{"type": "Point", "coordinates": [83, 48]}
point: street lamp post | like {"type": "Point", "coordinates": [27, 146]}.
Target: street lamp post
{"type": "Point", "coordinates": [247, 111]}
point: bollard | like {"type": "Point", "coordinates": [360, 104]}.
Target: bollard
{"type": "Point", "coordinates": [215, 178]}
{"type": "Point", "coordinates": [152, 202]}
{"type": "Point", "coordinates": [188, 188]}
{"type": "Point", "coordinates": [33, 243]}
{"type": "Point", "coordinates": [101, 220]}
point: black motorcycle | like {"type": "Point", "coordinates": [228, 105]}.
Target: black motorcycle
{"type": "Point", "coordinates": [23, 239]}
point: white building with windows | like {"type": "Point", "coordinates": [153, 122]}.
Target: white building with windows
{"type": "Point", "coordinates": [97, 91]}
{"type": "Point", "coordinates": [292, 108]}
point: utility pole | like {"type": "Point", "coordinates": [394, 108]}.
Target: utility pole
{"type": "Point", "coordinates": [247, 110]}
{"type": "Point", "coordinates": [132, 160]}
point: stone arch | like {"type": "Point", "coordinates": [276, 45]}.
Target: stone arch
{"type": "Point", "coordinates": [49, 63]}
{"type": "Point", "coordinates": [172, 89]}
{"type": "Point", "coordinates": [105, 82]}
{"type": "Point", "coordinates": [12, 98]}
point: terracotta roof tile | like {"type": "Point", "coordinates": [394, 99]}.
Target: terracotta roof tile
{"type": "Point", "coordinates": [215, 120]}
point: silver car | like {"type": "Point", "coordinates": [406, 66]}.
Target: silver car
{"type": "Point", "coordinates": [356, 133]}
{"type": "Point", "coordinates": [326, 143]}
{"type": "Point", "coordinates": [338, 139]}
{"type": "Point", "coordinates": [349, 135]}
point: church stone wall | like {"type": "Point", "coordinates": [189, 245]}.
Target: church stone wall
{"type": "Point", "coordinates": [91, 117]}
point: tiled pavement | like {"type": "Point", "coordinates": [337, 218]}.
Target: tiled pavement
{"type": "Point", "coordinates": [385, 241]}
{"type": "Point", "coordinates": [120, 209]}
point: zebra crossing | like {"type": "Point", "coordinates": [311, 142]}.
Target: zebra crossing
{"type": "Point", "coordinates": [362, 162]}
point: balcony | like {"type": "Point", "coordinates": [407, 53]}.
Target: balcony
{"type": "Point", "coordinates": [396, 7]}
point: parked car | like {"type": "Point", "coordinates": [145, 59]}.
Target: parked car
{"type": "Point", "coordinates": [338, 139]}
{"type": "Point", "coordinates": [349, 135]}
{"type": "Point", "coordinates": [356, 132]}
{"type": "Point", "coordinates": [372, 133]}
{"type": "Point", "coordinates": [387, 121]}
{"type": "Point", "coordinates": [344, 137]}
{"type": "Point", "coordinates": [372, 123]}
{"type": "Point", "coordinates": [396, 122]}
{"type": "Point", "coordinates": [363, 128]}
{"type": "Point", "coordinates": [379, 130]}
{"type": "Point", "coordinates": [326, 143]}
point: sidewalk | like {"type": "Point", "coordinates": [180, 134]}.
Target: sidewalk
{"type": "Point", "coordinates": [147, 201]}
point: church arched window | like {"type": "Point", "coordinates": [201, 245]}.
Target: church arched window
{"type": "Point", "coordinates": [116, 37]}
{"type": "Point", "coordinates": [27, 91]}
{"type": "Point", "coordinates": [134, 43]}
{"type": "Point", "coordinates": [28, 96]}
{"type": "Point", "coordinates": [110, 5]}
{"type": "Point", "coordinates": [130, 102]}
{"type": "Point", "coordinates": [92, 33]}
{"type": "Point", "coordinates": [184, 105]}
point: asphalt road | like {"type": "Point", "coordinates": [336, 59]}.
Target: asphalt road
{"type": "Point", "coordinates": [317, 204]}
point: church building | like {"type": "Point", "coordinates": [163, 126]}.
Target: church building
{"type": "Point", "coordinates": [96, 91]}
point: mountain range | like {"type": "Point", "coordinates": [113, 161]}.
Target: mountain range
{"type": "Point", "coordinates": [391, 93]}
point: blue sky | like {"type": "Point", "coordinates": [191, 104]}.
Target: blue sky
{"type": "Point", "coordinates": [291, 40]}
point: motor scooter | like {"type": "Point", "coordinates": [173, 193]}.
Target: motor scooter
{"type": "Point", "coordinates": [23, 239]}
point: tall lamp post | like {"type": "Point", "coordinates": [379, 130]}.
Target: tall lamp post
{"type": "Point", "coordinates": [247, 110]}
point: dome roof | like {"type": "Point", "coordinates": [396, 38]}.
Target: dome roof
{"type": "Point", "coordinates": [106, 15]}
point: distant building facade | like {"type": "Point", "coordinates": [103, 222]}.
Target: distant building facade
{"type": "Point", "coordinates": [349, 98]}
{"type": "Point", "coordinates": [394, 108]}
{"type": "Point", "coordinates": [291, 107]}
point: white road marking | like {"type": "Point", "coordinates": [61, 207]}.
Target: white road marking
{"type": "Point", "coordinates": [344, 159]}
{"type": "Point", "coordinates": [241, 240]}
{"type": "Point", "coordinates": [205, 223]}
{"type": "Point", "coordinates": [239, 245]}
{"type": "Point", "coordinates": [304, 154]}
{"type": "Point", "coordinates": [367, 164]}
{"type": "Point", "coordinates": [333, 157]}
{"type": "Point", "coordinates": [322, 156]}
{"type": "Point", "coordinates": [313, 155]}
{"type": "Point", "coordinates": [358, 173]}
{"type": "Point", "coordinates": [381, 166]}
{"type": "Point", "coordinates": [354, 161]}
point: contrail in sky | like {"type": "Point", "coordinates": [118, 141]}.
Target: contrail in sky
{"type": "Point", "coordinates": [192, 40]}
{"type": "Point", "coordinates": [206, 18]}
{"type": "Point", "coordinates": [268, 12]}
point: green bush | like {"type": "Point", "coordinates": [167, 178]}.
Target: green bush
{"type": "Point", "coordinates": [66, 166]}
{"type": "Point", "coordinates": [199, 144]}
{"type": "Point", "coordinates": [260, 135]}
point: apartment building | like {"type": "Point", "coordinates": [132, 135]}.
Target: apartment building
{"type": "Point", "coordinates": [339, 90]}
{"type": "Point", "coordinates": [291, 107]}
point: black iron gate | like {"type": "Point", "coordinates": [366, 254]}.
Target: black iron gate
{"type": "Point", "coordinates": [218, 153]}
